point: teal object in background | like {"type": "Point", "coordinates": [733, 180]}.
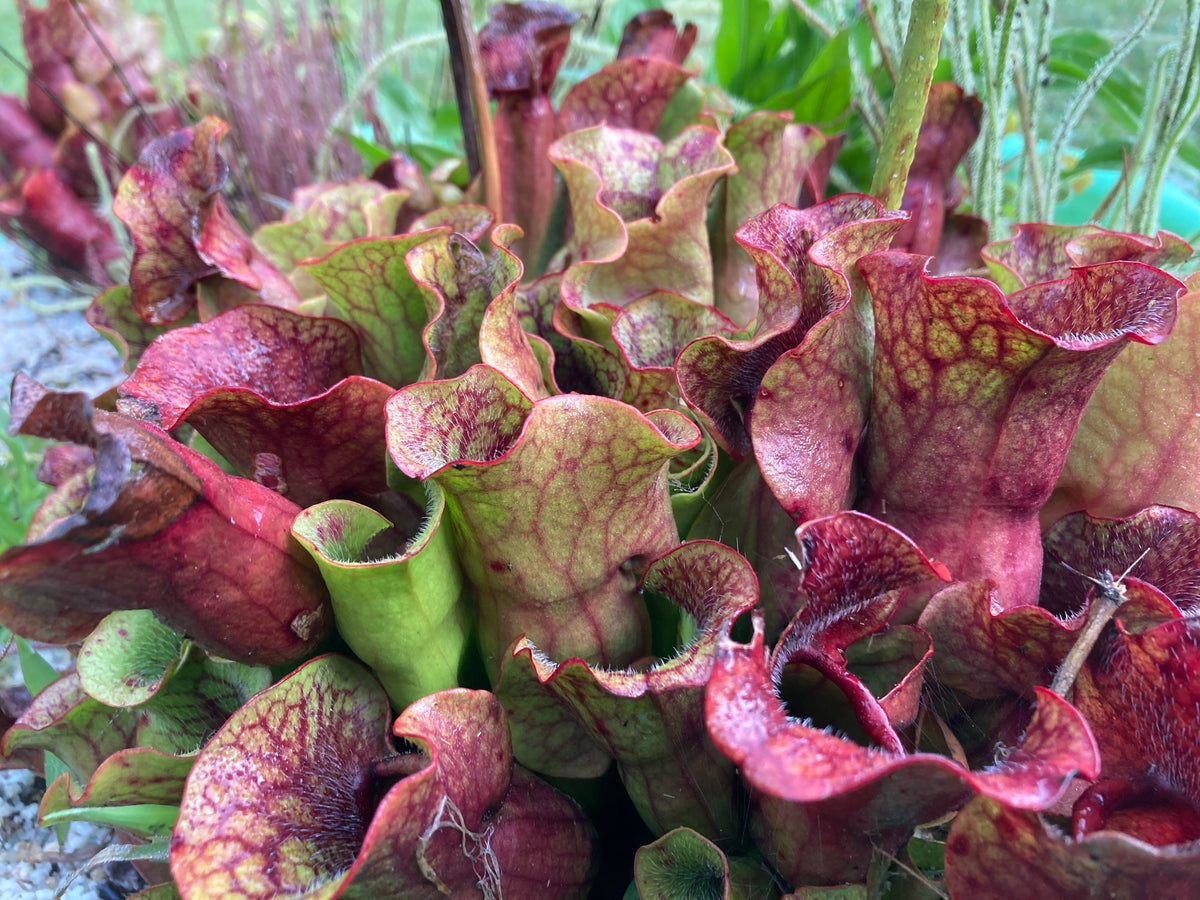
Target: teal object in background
{"type": "Point", "coordinates": [1179, 211]}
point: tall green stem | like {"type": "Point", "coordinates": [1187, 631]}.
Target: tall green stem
{"type": "Point", "coordinates": [921, 47]}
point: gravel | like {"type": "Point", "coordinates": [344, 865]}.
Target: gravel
{"type": "Point", "coordinates": [43, 333]}
{"type": "Point", "coordinates": [32, 865]}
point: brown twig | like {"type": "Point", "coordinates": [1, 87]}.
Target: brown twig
{"type": "Point", "coordinates": [116, 67]}
{"type": "Point", "coordinates": [470, 90]}
{"type": "Point", "coordinates": [1110, 594]}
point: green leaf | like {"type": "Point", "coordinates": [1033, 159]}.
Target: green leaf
{"type": "Point", "coordinates": [370, 286]}
{"type": "Point", "coordinates": [372, 154]}
{"type": "Point", "coordinates": [1073, 55]}
{"type": "Point", "coordinates": [823, 92]}
{"type": "Point", "coordinates": [590, 507]}
{"type": "Point", "coordinates": [20, 491]}
{"type": "Point", "coordinates": [429, 135]}
{"type": "Point", "coordinates": [682, 865]}
{"type": "Point", "coordinates": [336, 215]}
{"type": "Point", "coordinates": [79, 730]}
{"type": "Point", "coordinates": [927, 855]}
{"type": "Point", "coordinates": [196, 701]}
{"type": "Point", "coordinates": [740, 41]}
{"type": "Point", "coordinates": [616, 14]}
{"type": "Point", "coordinates": [146, 819]}
{"type": "Point", "coordinates": [52, 769]}
{"type": "Point", "coordinates": [1105, 155]}
{"type": "Point", "coordinates": [129, 778]}
{"type": "Point", "coordinates": [34, 669]}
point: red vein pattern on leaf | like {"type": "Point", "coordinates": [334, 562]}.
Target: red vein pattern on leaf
{"type": "Point", "coordinates": [283, 357]}
{"type": "Point", "coordinates": [1138, 442]}
{"type": "Point", "coordinates": [555, 502]}
{"type": "Point", "coordinates": [638, 207]}
{"type": "Point", "coordinates": [822, 805]}
{"type": "Point", "coordinates": [1136, 829]}
{"type": "Point", "coordinates": [80, 731]}
{"type": "Point", "coordinates": [1169, 538]}
{"type": "Point", "coordinates": [370, 285]}
{"type": "Point", "coordinates": [948, 129]}
{"type": "Point", "coordinates": [984, 651]}
{"type": "Point", "coordinates": [627, 93]}
{"type": "Point", "coordinates": [260, 381]}
{"type": "Point", "coordinates": [1039, 252]}
{"type": "Point", "coordinates": [287, 797]}
{"type": "Point", "coordinates": [801, 258]}
{"type": "Point", "coordinates": [280, 798]}
{"type": "Point", "coordinates": [159, 199]}
{"type": "Point", "coordinates": [778, 162]}
{"type": "Point", "coordinates": [651, 720]}
{"type": "Point", "coordinates": [977, 398]}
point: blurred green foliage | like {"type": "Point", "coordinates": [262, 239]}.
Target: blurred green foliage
{"type": "Point", "coordinates": [20, 491]}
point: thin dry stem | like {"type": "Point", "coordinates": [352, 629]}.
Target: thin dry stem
{"type": "Point", "coordinates": [277, 91]}
{"type": "Point", "coordinates": [1110, 594]}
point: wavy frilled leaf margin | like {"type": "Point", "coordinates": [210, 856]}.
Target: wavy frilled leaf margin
{"type": "Point", "coordinates": [182, 230]}
{"type": "Point", "coordinates": [1138, 442]}
{"type": "Point", "coordinates": [279, 395]}
{"type": "Point", "coordinates": [821, 803]}
{"type": "Point", "coordinates": [1136, 830]}
{"type": "Point", "coordinates": [639, 212]}
{"type": "Point", "coordinates": [111, 314]}
{"type": "Point", "coordinates": [80, 731]}
{"type": "Point", "coordinates": [853, 575]}
{"type": "Point", "coordinates": [777, 160]}
{"type": "Point", "coordinates": [1038, 252]}
{"type": "Point", "coordinates": [149, 523]}
{"type": "Point", "coordinates": [977, 395]}
{"type": "Point", "coordinates": [460, 278]}
{"type": "Point", "coordinates": [323, 217]}
{"type": "Point", "coordinates": [137, 790]}
{"type": "Point", "coordinates": [369, 285]}
{"type": "Point", "coordinates": [1135, 443]}
{"type": "Point", "coordinates": [630, 93]}
{"type": "Point", "coordinates": [643, 339]}
{"type": "Point", "coordinates": [302, 793]}
{"type": "Point", "coordinates": [986, 651]}
{"type": "Point", "coordinates": [557, 505]}
{"type": "Point", "coordinates": [651, 721]}
{"type": "Point", "coordinates": [801, 260]}
{"type": "Point", "coordinates": [1159, 545]}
